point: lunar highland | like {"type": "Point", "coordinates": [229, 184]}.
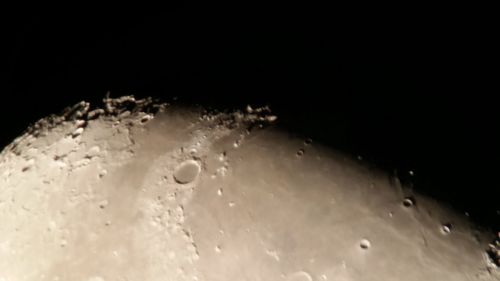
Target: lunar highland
{"type": "Point", "coordinates": [139, 190]}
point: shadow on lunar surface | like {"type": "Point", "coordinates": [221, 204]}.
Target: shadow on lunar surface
{"type": "Point", "coordinates": [430, 162]}
{"type": "Point", "coordinates": [284, 191]}
{"type": "Point", "coordinates": [324, 87]}
{"type": "Point", "coordinates": [448, 165]}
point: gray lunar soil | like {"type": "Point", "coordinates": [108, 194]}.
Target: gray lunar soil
{"type": "Point", "coordinates": [142, 191]}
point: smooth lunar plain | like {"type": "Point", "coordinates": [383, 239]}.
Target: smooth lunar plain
{"type": "Point", "coordinates": [145, 191]}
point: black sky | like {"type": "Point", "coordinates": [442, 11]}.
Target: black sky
{"type": "Point", "coordinates": [405, 92]}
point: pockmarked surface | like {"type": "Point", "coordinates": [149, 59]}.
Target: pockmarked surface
{"type": "Point", "coordinates": [140, 190]}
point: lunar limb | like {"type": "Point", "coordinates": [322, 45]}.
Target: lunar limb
{"type": "Point", "coordinates": [139, 190]}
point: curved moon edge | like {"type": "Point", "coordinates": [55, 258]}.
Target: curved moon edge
{"type": "Point", "coordinates": [141, 190]}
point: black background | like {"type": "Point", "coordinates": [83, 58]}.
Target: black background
{"type": "Point", "coordinates": [405, 92]}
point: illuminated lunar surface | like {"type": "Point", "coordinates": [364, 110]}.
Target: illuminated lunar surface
{"type": "Point", "coordinates": [139, 191]}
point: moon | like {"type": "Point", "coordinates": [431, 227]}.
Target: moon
{"type": "Point", "coordinates": [140, 190]}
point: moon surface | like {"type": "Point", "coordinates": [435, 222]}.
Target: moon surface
{"type": "Point", "coordinates": [139, 190]}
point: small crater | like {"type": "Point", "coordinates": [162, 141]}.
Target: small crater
{"type": "Point", "coordinates": [217, 249]}
{"type": "Point", "coordinates": [364, 244]}
{"type": "Point", "coordinates": [63, 243]}
{"type": "Point", "coordinates": [103, 204]}
{"type": "Point", "coordinates": [58, 157]}
{"type": "Point", "coordinates": [409, 202]}
{"type": "Point", "coordinates": [222, 156]}
{"type": "Point", "coordinates": [299, 276]}
{"type": "Point", "coordinates": [446, 228]}
{"type": "Point", "coordinates": [187, 172]}
{"type": "Point", "coordinates": [300, 152]}
{"type": "Point", "coordinates": [102, 173]}
{"type": "Point", "coordinates": [237, 143]}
